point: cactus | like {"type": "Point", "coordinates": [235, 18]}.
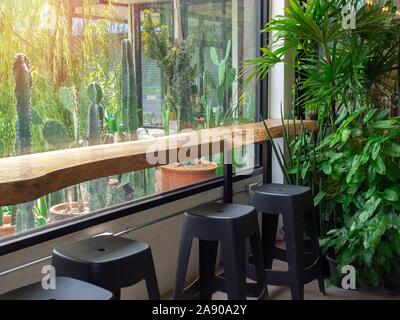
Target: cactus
{"type": "Point", "coordinates": [226, 77]}
{"type": "Point", "coordinates": [55, 134]}
{"type": "Point", "coordinates": [165, 118]}
{"type": "Point", "coordinates": [70, 102]}
{"type": "Point", "coordinates": [95, 115]}
{"type": "Point", "coordinates": [149, 181]}
{"type": "Point", "coordinates": [96, 188]}
{"type": "Point", "coordinates": [129, 98]}
{"type": "Point", "coordinates": [114, 194]}
{"type": "Point", "coordinates": [23, 136]}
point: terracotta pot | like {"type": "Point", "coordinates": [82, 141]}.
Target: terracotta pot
{"type": "Point", "coordinates": [172, 178]}
{"type": "Point", "coordinates": [113, 182]}
{"type": "Point", "coordinates": [6, 219]}
{"type": "Point", "coordinates": [6, 229]}
{"type": "Point", "coordinates": [56, 212]}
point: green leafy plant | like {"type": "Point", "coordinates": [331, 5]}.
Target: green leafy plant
{"type": "Point", "coordinates": [340, 68]}
{"type": "Point", "coordinates": [346, 162]}
{"type": "Point", "coordinates": [365, 154]}
{"type": "Point", "coordinates": [174, 62]}
{"type": "Point", "coordinates": [112, 120]}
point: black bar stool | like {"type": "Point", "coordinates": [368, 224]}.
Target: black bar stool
{"type": "Point", "coordinates": [108, 262]}
{"type": "Point", "coordinates": [293, 203]}
{"type": "Point", "coordinates": [231, 224]}
{"type": "Point", "coordinates": [66, 289]}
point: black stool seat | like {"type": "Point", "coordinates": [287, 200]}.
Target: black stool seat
{"type": "Point", "coordinates": [109, 262]}
{"type": "Point", "coordinates": [230, 224]}
{"type": "Point", "coordinates": [294, 203]}
{"type": "Point", "coordinates": [279, 198]}
{"type": "Point", "coordinates": [223, 211]}
{"type": "Point", "coordinates": [66, 289]}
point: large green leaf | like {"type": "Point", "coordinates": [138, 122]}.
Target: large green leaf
{"type": "Point", "coordinates": [390, 194]}
{"type": "Point", "coordinates": [379, 165]}
{"type": "Point", "coordinates": [319, 197]}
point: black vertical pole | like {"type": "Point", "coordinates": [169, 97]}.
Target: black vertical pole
{"type": "Point", "coordinates": [138, 62]}
{"type": "Point", "coordinates": [228, 177]}
{"type": "Point", "coordinates": [266, 149]}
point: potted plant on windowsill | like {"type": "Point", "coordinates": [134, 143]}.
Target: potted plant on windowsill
{"type": "Point", "coordinates": [178, 175]}
{"type": "Point", "coordinates": [6, 228]}
{"type": "Point", "coordinates": [174, 61]}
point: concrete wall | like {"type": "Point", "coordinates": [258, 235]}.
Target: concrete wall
{"type": "Point", "coordinates": [163, 238]}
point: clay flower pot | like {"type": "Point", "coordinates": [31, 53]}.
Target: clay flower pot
{"type": "Point", "coordinates": [6, 229]}
{"type": "Point", "coordinates": [58, 212]}
{"type": "Point", "coordinates": [176, 176]}
{"type": "Point", "coordinates": [6, 219]}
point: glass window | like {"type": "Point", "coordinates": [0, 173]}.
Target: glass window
{"type": "Point", "coordinates": [76, 74]}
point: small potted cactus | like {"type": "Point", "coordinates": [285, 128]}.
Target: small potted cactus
{"type": "Point", "coordinates": [56, 136]}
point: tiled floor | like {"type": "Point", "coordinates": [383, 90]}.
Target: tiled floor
{"type": "Point", "coordinates": [311, 291]}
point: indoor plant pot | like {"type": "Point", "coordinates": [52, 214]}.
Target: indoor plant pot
{"type": "Point", "coordinates": [324, 262]}
{"type": "Point", "coordinates": [391, 281]}
{"type": "Point", "coordinates": [176, 175]}
{"type": "Point", "coordinates": [58, 212]}
{"type": "Point", "coordinates": [6, 229]}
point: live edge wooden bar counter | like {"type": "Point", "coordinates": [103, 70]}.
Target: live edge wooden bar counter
{"type": "Point", "coordinates": [29, 177]}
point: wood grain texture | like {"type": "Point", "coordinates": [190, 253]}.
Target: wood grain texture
{"type": "Point", "coordinates": [26, 178]}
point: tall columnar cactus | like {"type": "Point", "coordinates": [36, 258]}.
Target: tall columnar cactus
{"type": "Point", "coordinates": [129, 98]}
{"type": "Point", "coordinates": [95, 114]}
{"type": "Point", "coordinates": [23, 137]}
{"type": "Point", "coordinates": [97, 188]}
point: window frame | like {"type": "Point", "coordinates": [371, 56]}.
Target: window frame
{"type": "Point", "coordinates": [43, 234]}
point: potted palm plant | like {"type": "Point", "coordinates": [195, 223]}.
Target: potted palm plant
{"type": "Point", "coordinates": [351, 164]}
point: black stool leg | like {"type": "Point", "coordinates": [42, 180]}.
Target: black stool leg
{"type": "Point", "coordinates": [269, 228]}
{"type": "Point", "coordinates": [151, 278]}
{"type": "Point", "coordinates": [295, 253]}
{"type": "Point", "coordinates": [256, 248]}
{"type": "Point", "coordinates": [183, 260]}
{"type": "Point", "coordinates": [207, 259]}
{"type": "Point", "coordinates": [116, 294]}
{"type": "Point", "coordinates": [311, 221]}
{"type": "Point", "coordinates": [234, 257]}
